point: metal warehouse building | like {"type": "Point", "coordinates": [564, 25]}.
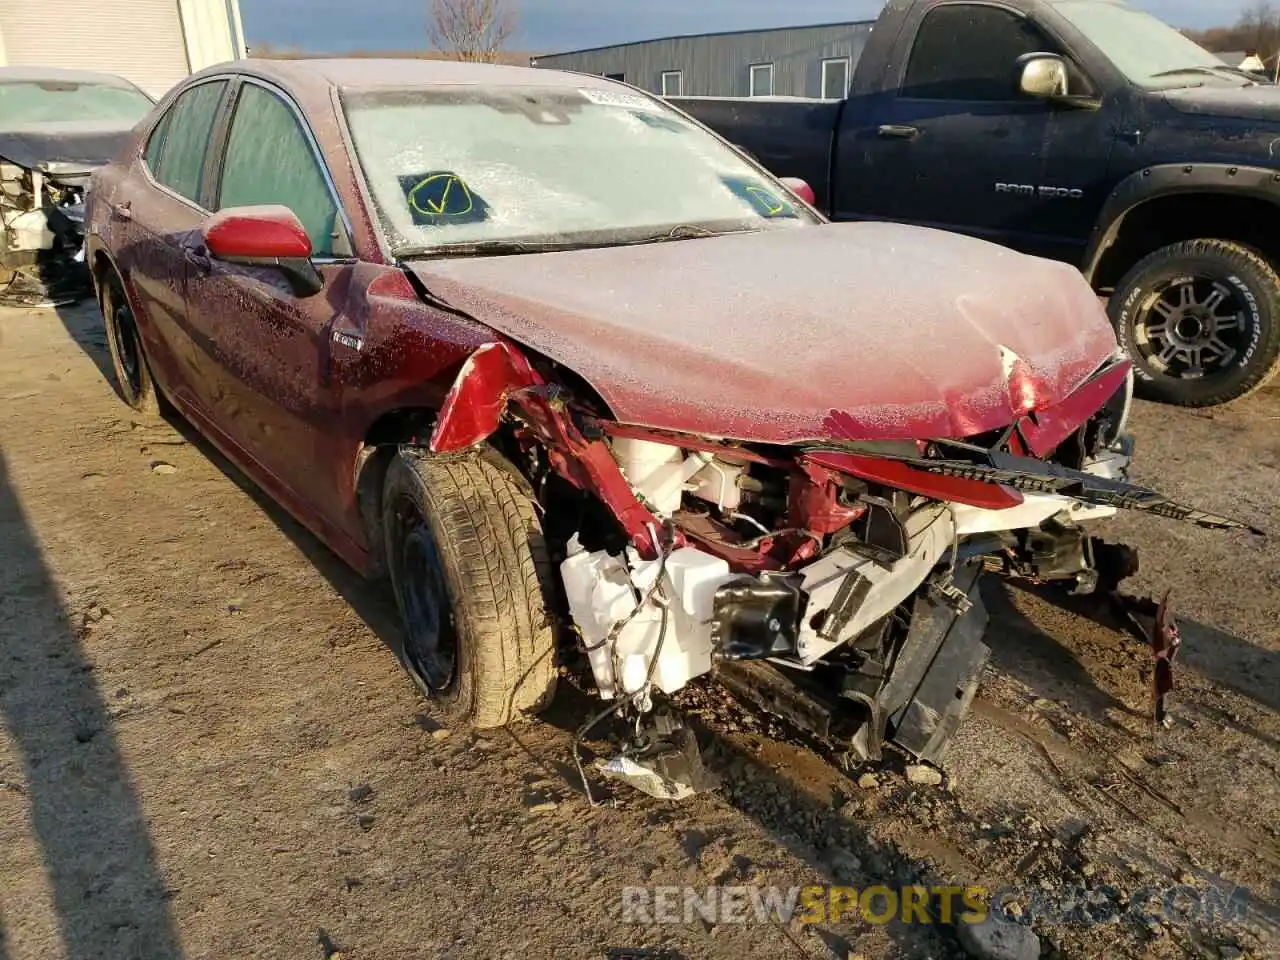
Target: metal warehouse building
{"type": "Point", "coordinates": [153, 43]}
{"type": "Point", "coordinates": [788, 62]}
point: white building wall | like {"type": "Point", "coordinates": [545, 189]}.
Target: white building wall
{"type": "Point", "coordinates": [153, 43]}
{"type": "Point", "coordinates": [213, 31]}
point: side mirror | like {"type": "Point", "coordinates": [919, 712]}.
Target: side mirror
{"type": "Point", "coordinates": [800, 188]}
{"type": "Point", "coordinates": [265, 236]}
{"type": "Point", "coordinates": [1043, 75]}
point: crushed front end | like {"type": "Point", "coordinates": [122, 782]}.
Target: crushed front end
{"type": "Point", "coordinates": [42, 211]}
{"type": "Point", "coordinates": [833, 582]}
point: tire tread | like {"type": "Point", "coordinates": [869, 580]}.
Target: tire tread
{"type": "Point", "coordinates": [497, 568]}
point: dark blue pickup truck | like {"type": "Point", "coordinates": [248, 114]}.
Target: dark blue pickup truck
{"type": "Point", "coordinates": [1080, 130]}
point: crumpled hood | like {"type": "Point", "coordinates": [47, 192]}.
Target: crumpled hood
{"type": "Point", "coordinates": [1261, 102]}
{"type": "Point", "coordinates": [876, 330]}
{"type": "Point", "coordinates": [82, 146]}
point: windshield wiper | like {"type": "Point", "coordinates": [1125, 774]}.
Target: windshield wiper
{"type": "Point", "coordinates": [686, 231]}
{"type": "Point", "coordinates": [1211, 71]}
{"type": "Point", "coordinates": [488, 248]}
{"type": "Point", "coordinates": [503, 248]}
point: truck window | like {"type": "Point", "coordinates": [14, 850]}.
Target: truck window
{"type": "Point", "coordinates": [970, 52]}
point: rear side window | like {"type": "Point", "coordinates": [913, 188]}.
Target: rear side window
{"type": "Point", "coordinates": [970, 52]}
{"type": "Point", "coordinates": [270, 160]}
{"type": "Point", "coordinates": [177, 149]}
{"type": "Point", "coordinates": [155, 145]}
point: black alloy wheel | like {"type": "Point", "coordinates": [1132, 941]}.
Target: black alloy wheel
{"type": "Point", "coordinates": [1200, 321]}
{"type": "Point", "coordinates": [1192, 328]}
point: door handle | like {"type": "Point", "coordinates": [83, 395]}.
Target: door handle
{"type": "Point", "coordinates": [896, 131]}
{"type": "Point", "coordinates": [123, 210]}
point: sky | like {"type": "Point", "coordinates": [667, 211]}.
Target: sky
{"type": "Point", "coordinates": [547, 26]}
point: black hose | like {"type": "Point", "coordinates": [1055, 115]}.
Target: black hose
{"type": "Point", "coordinates": [664, 553]}
{"type": "Point", "coordinates": [622, 697]}
{"type": "Point", "coordinates": [662, 635]}
{"type": "Point", "coordinates": [751, 544]}
{"type": "Point", "coordinates": [577, 744]}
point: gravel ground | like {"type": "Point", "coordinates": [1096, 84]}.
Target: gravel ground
{"type": "Point", "coordinates": [207, 748]}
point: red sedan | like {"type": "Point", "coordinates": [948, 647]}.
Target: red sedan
{"type": "Point", "coordinates": [545, 351]}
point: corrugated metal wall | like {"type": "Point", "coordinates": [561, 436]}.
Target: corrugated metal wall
{"type": "Point", "coordinates": [719, 65]}
{"type": "Point", "coordinates": [141, 40]}
{"type": "Point", "coordinates": [154, 43]}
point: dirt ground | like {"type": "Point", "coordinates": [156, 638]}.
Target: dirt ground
{"type": "Point", "coordinates": [207, 748]}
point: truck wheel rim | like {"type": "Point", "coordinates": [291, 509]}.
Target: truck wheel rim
{"type": "Point", "coordinates": [1192, 328]}
{"type": "Point", "coordinates": [430, 638]}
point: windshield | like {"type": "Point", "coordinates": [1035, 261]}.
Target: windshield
{"type": "Point", "coordinates": [1146, 50]}
{"type": "Point", "coordinates": [549, 167]}
{"type": "Point", "coordinates": [53, 101]}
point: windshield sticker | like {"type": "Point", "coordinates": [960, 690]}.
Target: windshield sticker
{"type": "Point", "coordinates": [769, 203]}
{"type": "Point", "coordinates": [442, 197]}
{"type": "Point", "coordinates": [619, 98]}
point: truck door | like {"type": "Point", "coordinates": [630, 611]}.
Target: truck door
{"type": "Point", "coordinates": [956, 145]}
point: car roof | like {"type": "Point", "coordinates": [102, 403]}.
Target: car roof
{"type": "Point", "coordinates": [36, 74]}
{"type": "Point", "coordinates": [359, 73]}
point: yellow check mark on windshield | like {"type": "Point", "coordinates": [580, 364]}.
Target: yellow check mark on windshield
{"type": "Point", "coordinates": [439, 207]}
{"type": "Point", "coordinates": [443, 205]}
{"type": "Point", "coordinates": [772, 205]}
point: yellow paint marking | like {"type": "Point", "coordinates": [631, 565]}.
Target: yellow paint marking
{"type": "Point", "coordinates": [773, 206]}
{"type": "Point", "coordinates": [440, 208]}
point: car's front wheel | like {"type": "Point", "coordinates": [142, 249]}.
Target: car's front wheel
{"type": "Point", "coordinates": [133, 376]}
{"type": "Point", "coordinates": [1201, 322]}
{"type": "Point", "coordinates": [470, 568]}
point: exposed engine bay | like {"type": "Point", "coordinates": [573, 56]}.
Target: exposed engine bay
{"type": "Point", "coordinates": [834, 583]}
{"type": "Point", "coordinates": [58, 127]}
{"type": "Point", "coordinates": [42, 225]}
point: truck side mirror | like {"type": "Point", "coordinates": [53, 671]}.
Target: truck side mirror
{"type": "Point", "coordinates": [1043, 76]}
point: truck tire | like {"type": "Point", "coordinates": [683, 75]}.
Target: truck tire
{"type": "Point", "coordinates": [1201, 322]}
{"type": "Point", "coordinates": [470, 570]}
{"type": "Point", "coordinates": [133, 376]}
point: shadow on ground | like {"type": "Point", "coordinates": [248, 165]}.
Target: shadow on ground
{"type": "Point", "coordinates": [108, 890]}
{"type": "Point", "coordinates": [83, 323]}
{"type": "Point", "coordinates": [1022, 649]}
{"type": "Point", "coordinates": [372, 602]}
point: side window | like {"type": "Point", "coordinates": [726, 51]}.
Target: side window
{"type": "Point", "coordinates": [177, 148]}
{"type": "Point", "coordinates": [155, 143]}
{"type": "Point", "coordinates": [269, 160]}
{"type": "Point", "coordinates": [970, 52]}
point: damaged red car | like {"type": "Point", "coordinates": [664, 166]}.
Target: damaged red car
{"type": "Point", "coordinates": [571, 371]}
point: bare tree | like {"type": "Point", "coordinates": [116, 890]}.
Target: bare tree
{"type": "Point", "coordinates": [1261, 27]}
{"type": "Point", "coordinates": [475, 30]}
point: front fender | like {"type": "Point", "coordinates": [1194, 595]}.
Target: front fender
{"type": "Point", "coordinates": [1169, 179]}
{"type": "Point", "coordinates": [473, 407]}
